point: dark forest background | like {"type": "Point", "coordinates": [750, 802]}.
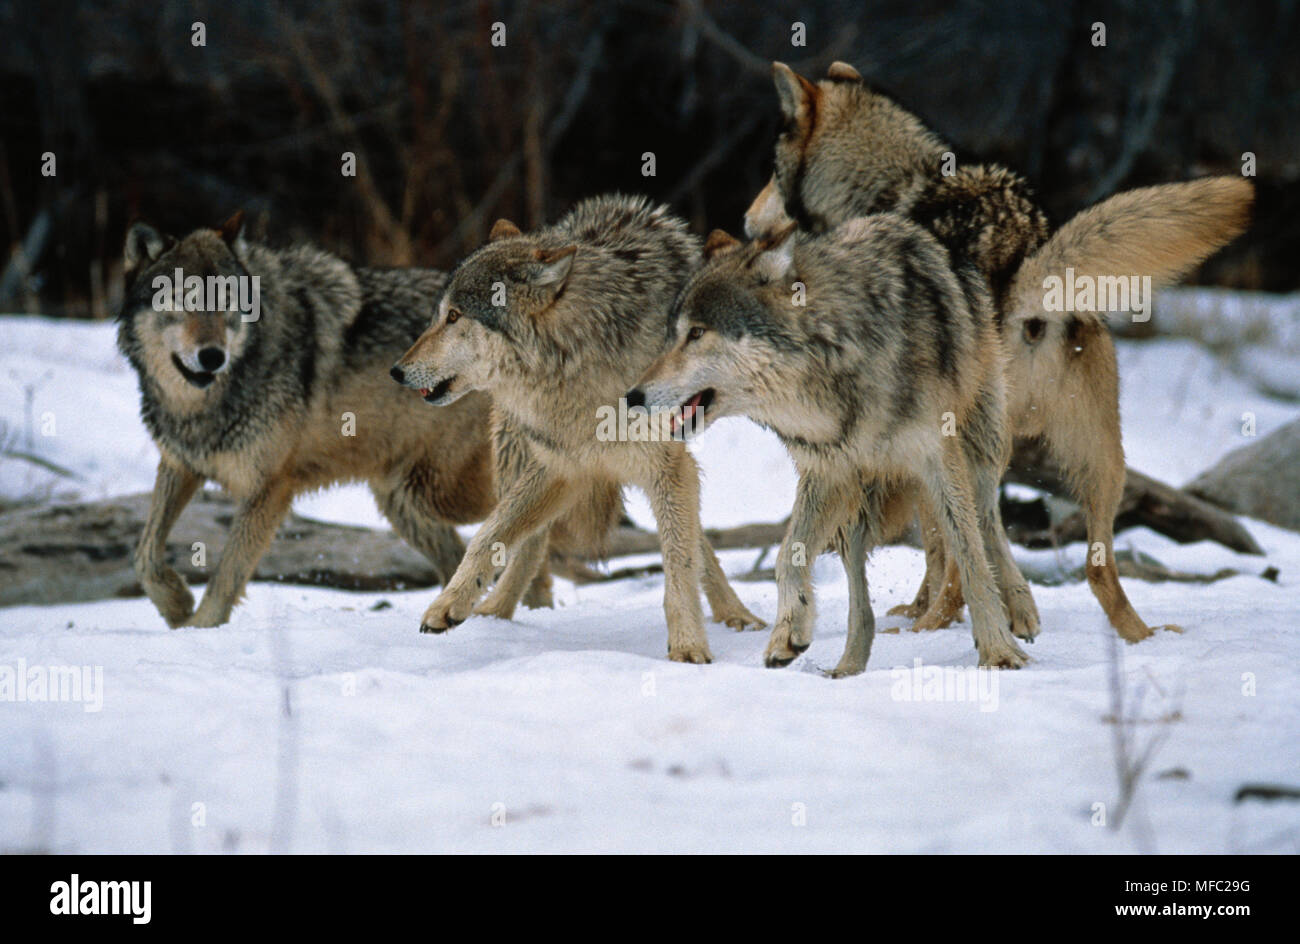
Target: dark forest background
{"type": "Point", "coordinates": [450, 132]}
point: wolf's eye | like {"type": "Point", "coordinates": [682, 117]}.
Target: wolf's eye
{"type": "Point", "coordinates": [453, 315]}
{"type": "Point", "coordinates": [695, 333]}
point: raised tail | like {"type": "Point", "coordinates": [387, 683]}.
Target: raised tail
{"type": "Point", "coordinates": [1161, 232]}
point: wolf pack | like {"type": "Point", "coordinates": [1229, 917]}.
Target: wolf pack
{"type": "Point", "coordinates": [884, 315]}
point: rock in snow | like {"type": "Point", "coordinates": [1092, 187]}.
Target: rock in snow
{"type": "Point", "coordinates": [1261, 480]}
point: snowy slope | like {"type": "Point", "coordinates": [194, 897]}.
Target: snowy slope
{"type": "Point", "coordinates": [315, 721]}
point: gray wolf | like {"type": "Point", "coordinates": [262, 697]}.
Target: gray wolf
{"type": "Point", "coordinates": [295, 400]}
{"type": "Point", "coordinates": [847, 150]}
{"type": "Point", "coordinates": [556, 325]}
{"type": "Point", "coordinates": [879, 367]}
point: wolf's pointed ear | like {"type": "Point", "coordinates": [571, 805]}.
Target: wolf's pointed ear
{"type": "Point", "coordinates": [233, 228]}
{"type": "Point", "coordinates": [796, 93]}
{"type": "Point", "coordinates": [775, 259]}
{"type": "Point", "coordinates": [503, 229]}
{"type": "Point", "coordinates": [843, 72]}
{"type": "Point", "coordinates": [719, 241]}
{"type": "Point", "coordinates": [143, 245]}
{"type": "Point", "coordinates": [552, 267]}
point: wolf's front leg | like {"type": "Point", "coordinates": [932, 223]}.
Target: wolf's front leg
{"type": "Point", "coordinates": [523, 566]}
{"type": "Point", "coordinates": [250, 535]}
{"type": "Point", "coordinates": [527, 574]}
{"type": "Point", "coordinates": [817, 513]}
{"type": "Point", "coordinates": [854, 539]}
{"type": "Point", "coordinates": [949, 479]}
{"type": "Point", "coordinates": [724, 603]}
{"type": "Point", "coordinates": [532, 501]}
{"type": "Point", "coordinates": [172, 491]}
{"type": "Point", "coordinates": [673, 487]}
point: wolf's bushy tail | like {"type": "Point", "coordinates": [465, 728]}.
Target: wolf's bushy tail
{"type": "Point", "coordinates": [1162, 231]}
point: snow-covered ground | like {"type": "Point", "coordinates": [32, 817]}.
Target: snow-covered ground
{"type": "Point", "coordinates": [321, 720]}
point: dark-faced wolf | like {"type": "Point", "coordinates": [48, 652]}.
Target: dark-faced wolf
{"type": "Point", "coordinates": [557, 325]}
{"type": "Point", "coordinates": [879, 367]}
{"type": "Point", "coordinates": [280, 385]}
{"type": "Point", "coordinates": [847, 150]}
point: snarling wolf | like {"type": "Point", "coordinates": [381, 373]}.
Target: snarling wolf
{"type": "Point", "coordinates": [291, 397]}
{"type": "Point", "coordinates": [556, 325]}
{"type": "Point", "coordinates": [879, 367]}
{"type": "Point", "coordinates": [847, 150]}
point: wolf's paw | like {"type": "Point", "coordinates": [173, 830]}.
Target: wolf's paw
{"type": "Point", "coordinates": [697, 653]}
{"type": "Point", "coordinates": [1002, 655]}
{"type": "Point", "coordinates": [848, 667]}
{"type": "Point", "coordinates": [1025, 632]}
{"type": "Point", "coordinates": [738, 618]}
{"type": "Point", "coordinates": [1132, 629]}
{"type": "Point", "coordinates": [500, 608]}
{"type": "Point", "coordinates": [445, 612]}
{"type": "Point", "coordinates": [910, 610]}
{"type": "Point", "coordinates": [933, 619]}
{"type": "Point", "coordinates": [168, 591]}
{"type": "Point", "coordinates": [209, 614]}
{"type": "Point", "coordinates": [539, 598]}
{"type": "Point", "coordinates": [785, 644]}
{"type": "Point", "coordinates": [1024, 620]}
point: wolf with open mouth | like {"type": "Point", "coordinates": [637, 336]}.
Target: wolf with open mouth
{"type": "Point", "coordinates": [556, 325]}
{"type": "Point", "coordinates": [879, 367]}
{"type": "Point", "coordinates": [847, 149]}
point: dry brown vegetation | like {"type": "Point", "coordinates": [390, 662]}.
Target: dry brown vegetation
{"type": "Point", "coordinates": [451, 132]}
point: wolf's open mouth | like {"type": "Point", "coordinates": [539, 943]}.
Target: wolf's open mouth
{"type": "Point", "coordinates": [200, 378]}
{"type": "Point", "coordinates": [692, 414]}
{"type": "Point", "coordinates": [438, 392]}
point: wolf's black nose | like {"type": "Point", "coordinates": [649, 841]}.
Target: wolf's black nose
{"type": "Point", "coordinates": [635, 397]}
{"type": "Point", "coordinates": [211, 358]}
{"type": "Point", "coordinates": [398, 374]}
